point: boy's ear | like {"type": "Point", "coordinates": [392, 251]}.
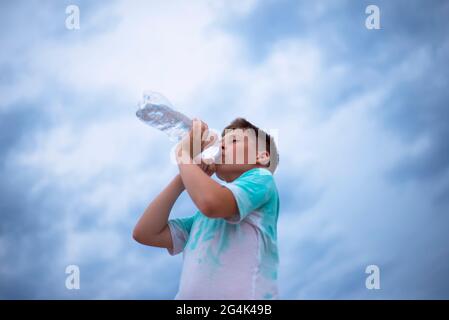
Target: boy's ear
{"type": "Point", "coordinates": [263, 158]}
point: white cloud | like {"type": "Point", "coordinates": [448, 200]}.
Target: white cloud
{"type": "Point", "coordinates": [164, 46]}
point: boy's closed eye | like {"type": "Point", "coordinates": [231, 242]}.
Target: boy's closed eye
{"type": "Point", "coordinates": [229, 140]}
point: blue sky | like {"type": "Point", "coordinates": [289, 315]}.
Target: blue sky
{"type": "Point", "coordinates": [362, 118]}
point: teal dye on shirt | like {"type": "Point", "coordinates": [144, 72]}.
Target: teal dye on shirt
{"type": "Point", "coordinates": [235, 258]}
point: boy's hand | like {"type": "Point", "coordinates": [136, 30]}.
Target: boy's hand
{"type": "Point", "coordinates": [209, 169]}
{"type": "Point", "coordinates": [195, 142]}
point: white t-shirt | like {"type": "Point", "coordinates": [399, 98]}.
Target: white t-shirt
{"type": "Point", "coordinates": [234, 258]}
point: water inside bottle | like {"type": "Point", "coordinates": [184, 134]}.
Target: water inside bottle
{"type": "Point", "coordinates": [156, 111]}
{"type": "Point", "coordinates": [162, 117]}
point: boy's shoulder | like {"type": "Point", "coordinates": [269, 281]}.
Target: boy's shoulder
{"type": "Point", "coordinates": [256, 179]}
{"type": "Point", "coordinates": [256, 175]}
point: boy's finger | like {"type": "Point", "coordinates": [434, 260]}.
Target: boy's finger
{"type": "Point", "coordinates": [211, 168]}
{"type": "Point", "coordinates": [200, 123]}
{"type": "Point", "coordinates": [196, 124]}
{"type": "Point", "coordinates": [209, 138]}
{"type": "Point", "coordinates": [204, 126]}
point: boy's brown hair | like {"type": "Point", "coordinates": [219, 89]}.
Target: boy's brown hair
{"type": "Point", "coordinates": [241, 123]}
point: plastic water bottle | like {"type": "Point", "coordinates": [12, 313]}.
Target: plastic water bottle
{"type": "Point", "coordinates": [156, 111]}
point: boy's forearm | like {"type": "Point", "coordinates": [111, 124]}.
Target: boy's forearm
{"type": "Point", "coordinates": [199, 185]}
{"type": "Point", "coordinates": [155, 217]}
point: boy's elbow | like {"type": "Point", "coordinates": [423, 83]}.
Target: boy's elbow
{"type": "Point", "coordinates": [136, 235]}
{"type": "Point", "coordinates": [219, 204]}
{"type": "Point", "coordinates": [206, 210]}
{"type": "Point", "coordinates": [207, 207]}
{"type": "Point", "coordinates": [215, 210]}
{"type": "Point", "coordinates": [139, 237]}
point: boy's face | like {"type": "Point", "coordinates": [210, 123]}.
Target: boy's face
{"type": "Point", "coordinates": [238, 154]}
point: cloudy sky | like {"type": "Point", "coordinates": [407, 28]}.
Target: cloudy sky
{"type": "Point", "coordinates": [362, 118]}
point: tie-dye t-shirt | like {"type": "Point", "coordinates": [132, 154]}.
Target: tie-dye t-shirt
{"type": "Point", "coordinates": [232, 258]}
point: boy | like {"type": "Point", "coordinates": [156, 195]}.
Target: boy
{"type": "Point", "coordinates": [230, 245]}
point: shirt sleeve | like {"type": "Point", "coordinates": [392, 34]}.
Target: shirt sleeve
{"type": "Point", "coordinates": [180, 231]}
{"type": "Point", "coordinates": [251, 191]}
